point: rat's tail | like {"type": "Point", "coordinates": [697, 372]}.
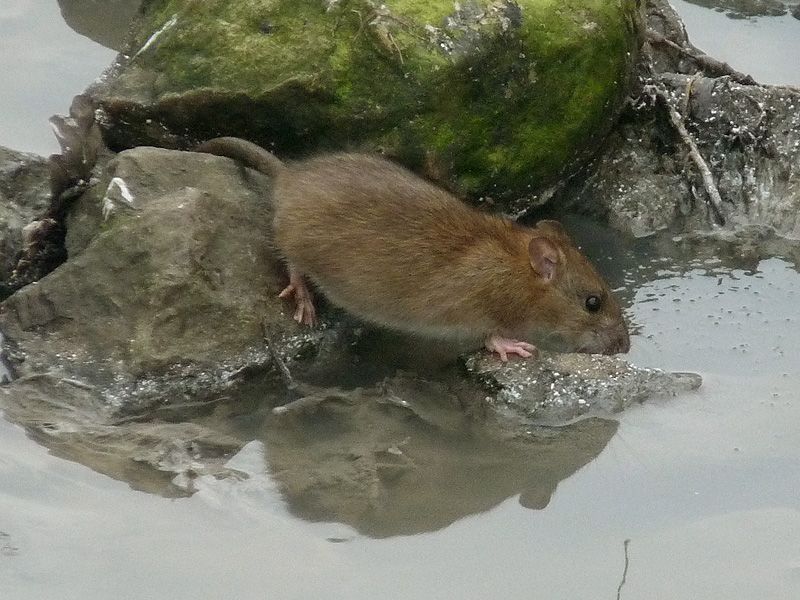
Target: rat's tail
{"type": "Point", "coordinates": [249, 154]}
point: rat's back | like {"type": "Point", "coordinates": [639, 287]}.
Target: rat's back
{"type": "Point", "coordinates": [374, 237]}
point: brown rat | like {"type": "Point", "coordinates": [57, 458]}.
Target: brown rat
{"type": "Point", "coordinates": [400, 252]}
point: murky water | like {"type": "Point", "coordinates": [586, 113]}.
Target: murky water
{"type": "Point", "coordinates": [704, 486]}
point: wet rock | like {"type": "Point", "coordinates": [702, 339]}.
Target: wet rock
{"type": "Point", "coordinates": [748, 136]}
{"type": "Point", "coordinates": [558, 388]}
{"type": "Point", "coordinates": [166, 308]}
{"type": "Point", "coordinates": [530, 87]}
{"type": "Point", "coordinates": [796, 12]}
{"type": "Point", "coordinates": [24, 194]}
{"type": "Point", "coordinates": [167, 270]}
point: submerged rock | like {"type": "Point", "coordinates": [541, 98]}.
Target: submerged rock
{"type": "Point", "coordinates": [495, 99]}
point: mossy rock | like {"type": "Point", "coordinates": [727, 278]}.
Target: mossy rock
{"type": "Point", "coordinates": [492, 98]}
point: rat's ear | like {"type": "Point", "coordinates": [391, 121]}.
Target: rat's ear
{"type": "Point", "coordinates": [553, 228]}
{"type": "Point", "coordinates": [544, 257]}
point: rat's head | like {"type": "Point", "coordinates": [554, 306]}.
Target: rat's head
{"type": "Point", "coordinates": [576, 302]}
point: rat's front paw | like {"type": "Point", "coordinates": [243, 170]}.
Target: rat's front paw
{"type": "Point", "coordinates": [505, 346]}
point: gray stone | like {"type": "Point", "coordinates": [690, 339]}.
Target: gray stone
{"type": "Point", "coordinates": [558, 388]}
{"type": "Point", "coordinates": [24, 195]}
{"type": "Point", "coordinates": [748, 135]}
{"type": "Point", "coordinates": [177, 270]}
{"type": "Point", "coordinates": [107, 22]}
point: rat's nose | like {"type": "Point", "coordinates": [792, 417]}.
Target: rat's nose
{"type": "Point", "coordinates": [620, 341]}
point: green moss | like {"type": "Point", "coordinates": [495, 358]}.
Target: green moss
{"type": "Point", "coordinates": [519, 97]}
{"type": "Point", "coordinates": [424, 12]}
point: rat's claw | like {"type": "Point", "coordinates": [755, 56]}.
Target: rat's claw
{"type": "Point", "coordinates": [304, 312]}
{"type": "Point", "coordinates": [505, 346]}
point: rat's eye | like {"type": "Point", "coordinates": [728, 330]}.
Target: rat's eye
{"type": "Point", "coordinates": [593, 303]}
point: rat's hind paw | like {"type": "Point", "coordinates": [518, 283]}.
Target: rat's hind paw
{"type": "Point", "coordinates": [304, 312]}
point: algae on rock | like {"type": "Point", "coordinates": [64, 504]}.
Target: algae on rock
{"type": "Point", "coordinates": [493, 99]}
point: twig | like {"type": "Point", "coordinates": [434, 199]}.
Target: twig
{"type": "Point", "coordinates": [286, 375]}
{"type": "Point", "coordinates": [625, 571]}
{"type": "Point", "coordinates": [714, 198]}
{"type": "Point", "coordinates": [360, 23]}
{"type": "Point", "coordinates": [396, 47]}
{"type": "Point", "coordinates": [712, 65]}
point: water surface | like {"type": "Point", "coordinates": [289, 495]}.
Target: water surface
{"type": "Point", "coordinates": [43, 64]}
{"type": "Point", "coordinates": [704, 486]}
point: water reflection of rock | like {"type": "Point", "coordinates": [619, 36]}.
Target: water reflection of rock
{"type": "Point", "coordinates": [406, 459]}
{"type": "Point", "coordinates": [107, 22]}
{"type": "Point", "coordinates": [402, 457]}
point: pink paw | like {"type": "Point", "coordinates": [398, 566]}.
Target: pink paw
{"type": "Point", "coordinates": [505, 346]}
{"type": "Point", "coordinates": [304, 312]}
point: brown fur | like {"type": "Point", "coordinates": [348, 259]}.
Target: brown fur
{"type": "Point", "coordinates": [395, 250]}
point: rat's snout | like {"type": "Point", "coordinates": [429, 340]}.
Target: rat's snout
{"type": "Point", "coordinates": [613, 339]}
{"type": "Point", "coordinates": [620, 340]}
